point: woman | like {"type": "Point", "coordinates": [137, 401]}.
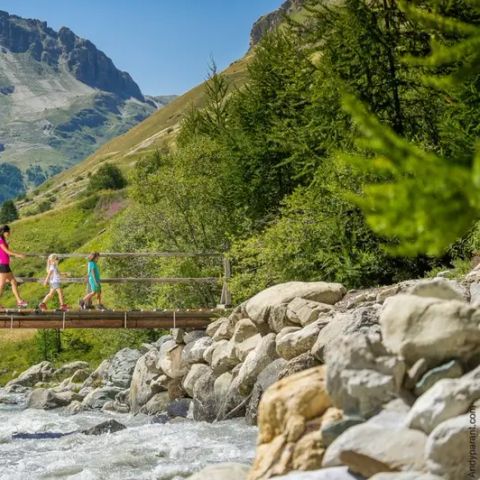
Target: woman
{"type": "Point", "coordinates": [6, 274]}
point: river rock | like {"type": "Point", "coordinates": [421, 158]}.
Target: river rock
{"type": "Point", "coordinates": [291, 343]}
{"type": "Point", "coordinates": [145, 372]}
{"type": "Point", "coordinates": [225, 329]}
{"type": "Point", "coordinates": [74, 407]}
{"type": "Point", "coordinates": [42, 372]}
{"type": "Point", "coordinates": [259, 306]}
{"type": "Point", "coordinates": [244, 329]}
{"type": "Point", "coordinates": [244, 348]}
{"type": "Point", "coordinates": [46, 399]}
{"type": "Point", "coordinates": [361, 375]}
{"type": "Point", "coordinates": [213, 327]}
{"type": "Point", "coordinates": [122, 366]}
{"type": "Point", "coordinates": [336, 473]}
{"type": "Point", "coordinates": [405, 476]}
{"type": "Point", "coordinates": [99, 376]}
{"type": "Point", "coordinates": [224, 357]}
{"type": "Point", "coordinates": [194, 350]}
{"type": "Point", "coordinates": [195, 372]}
{"type": "Point", "coordinates": [452, 369]}
{"type": "Point", "coordinates": [193, 336]}
{"type": "Point", "coordinates": [415, 373]}
{"type": "Point", "coordinates": [448, 398]}
{"type": "Point", "coordinates": [222, 471]}
{"type": "Point", "coordinates": [438, 330]}
{"type": "Point", "coordinates": [70, 369]}
{"type": "Point", "coordinates": [298, 364]}
{"type": "Point", "coordinates": [97, 398]}
{"type": "Point", "coordinates": [204, 401]}
{"type": "Point", "coordinates": [331, 431]}
{"type": "Point", "coordinates": [157, 404]}
{"type": "Point", "coordinates": [441, 288]}
{"type": "Point", "coordinates": [453, 449]}
{"type": "Point", "coordinates": [304, 312]}
{"type": "Point", "coordinates": [268, 376]}
{"type": "Point", "coordinates": [381, 444]}
{"type": "Point", "coordinates": [277, 318]}
{"type": "Point", "coordinates": [110, 426]}
{"type": "Point", "coordinates": [177, 335]}
{"type": "Point", "coordinates": [170, 360]}
{"type": "Point", "coordinates": [329, 333]}
{"type": "Point", "coordinates": [181, 407]}
{"type": "Point", "coordinates": [284, 413]}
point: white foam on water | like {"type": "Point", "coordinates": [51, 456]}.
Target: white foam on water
{"type": "Point", "coordinates": [143, 451]}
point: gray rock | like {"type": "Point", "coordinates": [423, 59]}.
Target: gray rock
{"type": "Point", "coordinates": [222, 471]}
{"type": "Point", "coordinates": [405, 476]}
{"type": "Point", "coordinates": [110, 426]}
{"type": "Point", "coordinates": [46, 399]}
{"type": "Point", "coordinates": [415, 373]}
{"type": "Point", "coordinates": [193, 336]}
{"type": "Point", "coordinates": [161, 341]}
{"type": "Point", "coordinates": [475, 294]}
{"type": "Point", "coordinates": [332, 431]}
{"type": "Point", "coordinates": [438, 330]}
{"type": "Point", "coordinates": [208, 353]}
{"type": "Point", "coordinates": [244, 329]}
{"type": "Point", "coordinates": [157, 404]}
{"type": "Point", "coordinates": [329, 333]}
{"type": "Point", "coordinates": [122, 366]}
{"type": "Point", "coordinates": [180, 408]}
{"type": "Point", "coordinates": [268, 376]}
{"type": "Point", "coordinates": [336, 473]}
{"type": "Point", "coordinates": [298, 364]}
{"type": "Point", "coordinates": [277, 318]}
{"type": "Point", "coordinates": [259, 306]}
{"type": "Point", "coordinates": [244, 348]}
{"type": "Point", "coordinates": [194, 350]}
{"type": "Point", "coordinates": [441, 288]}
{"type": "Point", "coordinates": [42, 372]}
{"type": "Point", "coordinates": [74, 407]}
{"type": "Point", "coordinates": [97, 398]}
{"type": "Point", "coordinates": [453, 449]}
{"type": "Point", "coordinates": [225, 329]}
{"type": "Point", "coordinates": [195, 372]}
{"type": "Point", "coordinates": [304, 312]}
{"type": "Point", "coordinates": [448, 398]}
{"type": "Point", "coordinates": [204, 402]}
{"type": "Point", "coordinates": [452, 369]}
{"type": "Point", "coordinates": [170, 360]}
{"type": "Point", "coordinates": [361, 375]}
{"type": "Point", "coordinates": [177, 335]}
{"type": "Point", "coordinates": [71, 368]}
{"type": "Point", "coordinates": [292, 343]}
{"type": "Point", "coordinates": [213, 327]}
{"type": "Point", "coordinates": [224, 357]}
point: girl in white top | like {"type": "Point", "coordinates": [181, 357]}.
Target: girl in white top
{"type": "Point", "coordinates": [54, 280]}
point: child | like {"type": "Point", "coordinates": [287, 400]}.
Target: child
{"type": "Point", "coordinates": [53, 278]}
{"type": "Point", "coordinates": [94, 282]}
{"type": "Point", "coordinates": [6, 275]}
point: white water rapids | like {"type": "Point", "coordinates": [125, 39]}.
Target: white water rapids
{"type": "Point", "coordinates": [143, 451]}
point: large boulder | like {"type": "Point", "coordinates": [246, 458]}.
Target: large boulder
{"type": "Point", "coordinates": [329, 334]}
{"type": "Point", "coordinates": [259, 306]}
{"type": "Point", "coordinates": [292, 343]}
{"type": "Point", "coordinates": [42, 372]}
{"type": "Point", "coordinates": [121, 367]}
{"type": "Point", "coordinates": [446, 399]}
{"type": "Point", "coordinates": [244, 329]}
{"type": "Point", "coordinates": [438, 330]}
{"type": "Point", "coordinates": [170, 359]}
{"type": "Point", "coordinates": [100, 396]}
{"type": "Point", "coordinates": [70, 369]}
{"type": "Point", "coordinates": [222, 471]}
{"type": "Point", "coordinates": [285, 411]}
{"type": "Point", "coordinates": [195, 372]}
{"type": "Point", "coordinates": [453, 449]}
{"type": "Point", "coordinates": [144, 374]}
{"type": "Point", "coordinates": [303, 312]}
{"type": "Point", "coordinates": [441, 288]}
{"type": "Point", "coordinates": [225, 328]}
{"type": "Point", "coordinates": [46, 399]}
{"type": "Point", "coordinates": [194, 351]}
{"type": "Point", "coordinates": [99, 376]}
{"type": "Point", "coordinates": [224, 357]}
{"type": "Point", "coordinates": [204, 401]}
{"type": "Point", "coordinates": [157, 404]}
{"type": "Point", "coordinates": [361, 375]}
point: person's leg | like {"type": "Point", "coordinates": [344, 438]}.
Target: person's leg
{"type": "Point", "coordinates": [14, 284]}
{"type": "Point", "coordinates": [88, 298]}
{"type": "Point", "coordinates": [3, 281]}
{"type": "Point", "coordinates": [60, 296]}
{"type": "Point", "coordinates": [48, 296]}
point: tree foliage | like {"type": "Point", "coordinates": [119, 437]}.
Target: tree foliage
{"type": "Point", "coordinates": [107, 177]}
{"type": "Point", "coordinates": [8, 212]}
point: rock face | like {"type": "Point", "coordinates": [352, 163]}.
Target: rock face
{"type": "Point", "coordinates": [222, 471]}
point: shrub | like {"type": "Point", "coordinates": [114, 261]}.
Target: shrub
{"type": "Point", "coordinates": [107, 177]}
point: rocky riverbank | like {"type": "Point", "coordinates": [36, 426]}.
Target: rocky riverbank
{"type": "Point", "coordinates": [363, 384]}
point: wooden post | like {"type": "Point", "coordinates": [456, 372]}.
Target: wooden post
{"type": "Point", "coordinates": [226, 298]}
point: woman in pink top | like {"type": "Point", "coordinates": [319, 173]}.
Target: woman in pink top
{"type": "Point", "coordinates": [6, 274]}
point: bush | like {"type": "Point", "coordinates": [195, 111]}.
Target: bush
{"type": "Point", "coordinates": [8, 212]}
{"type": "Point", "coordinates": [107, 177]}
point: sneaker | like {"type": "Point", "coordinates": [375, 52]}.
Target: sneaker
{"type": "Point", "coordinates": [82, 304]}
{"type": "Point", "coordinates": [22, 304]}
{"type": "Point", "coordinates": [64, 308]}
{"type": "Point", "coordinates": [42, 307]}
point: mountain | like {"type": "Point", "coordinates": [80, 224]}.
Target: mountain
{"type": "Point", "coordinates": [60, 99]}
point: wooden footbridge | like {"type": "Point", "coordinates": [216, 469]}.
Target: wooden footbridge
{"type": "Point", "coordinates": [135, 319]}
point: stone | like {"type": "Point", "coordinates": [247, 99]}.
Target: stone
{"type": "Point", "coordinates": [222, 471]}
{"type": "Point", "coordinates": [71, 368]}
{"type": "Point", "coordinates": [298, 364]}
{"type": "Point", "coordinates": [175, 389]}
{"type": "Point", "coordinates": [438, 330]}
{"type": "Point", "coordinates": [448, 398]}
{"type": "Point", "coordinates": [224, 357]}
{"type": "Point", "coordinates": [225, 329]}
{"type": "Point", "coordinates": [194, 350]}
{"type": "Point", "coordinates": [42, 372]}
{"type": "Point", "coordinates": [204, 401]}
{"type": "Point", "coordinates": [193, 336]}
{"type": "Point", "coordinates": [74, 407]}
{"type": "Point", "coordinates": [110, 426]}
{"type": "Point", "coordinates": [259, 306]}
{"type": "Point", "coordinates": [268, 376]}
{"type": "Point", "coordinates": [405, 476]}
{"type": "Point", "coordinates": [277, 318]}
{"type": "Point", "coordinates": [213, 327]}
{"type": "Point", "coordinates": [244, 329]}
{"type": "Point", "coordinates": [284, 414]}
{"type": "Point", "coordinates": [415, 373]}
{"type": "Point", "coordinates": [329, 333]}
{"type": "Point", "coordinates": [46, 399]}
{"type": "Point", "coordinates": [177, 335]}
{"type": "Point", "coordinates": [164, 338]}
{"type": "Point", "coordinates": [441, 288]}
{"type": "Point", "coordinates": [170, 360]}
{"type": "Point", "coordinates": [336, 473]}
{"type": "Point", "coordinates": [331, 431]}
{"type": "Point", "coordinates": [79, 376]}
{"type": "Point", "coordinates": [244, 348]}
{"type": "Point", "coordinates": [304, 312]}
{"type": "Point", "coordinates": [142, 387]}
{"type": "Point", "coordinates": [453, 449]}
{"type": "Point", "coordinates": [195, 372]}
{"type": "Point", "coordinates": [475, 294]}
{"type": "Point", "coordinates": [385, 292]}
{"type": "Point", "coordinates": [98, 397]}
{"type": "Point", "coordinates": [208, 353]}
{"type": "Point", "coordinates": [157, 404]}
{"type": "Point", "coordinates": [99, 376]}
{"type": "Point", "coordinates": [361, 375]}
{"type": "Point", "coordinates": [452, 369]}
{"type": "Point", "coordinates": [291, 343]}
{"type": "Point", "coordinates": [181, 407]}
{"type": "Point", "coordinates": [122, 366]}
{"type": "Point", "coordinates": [381, 444]}
{"type": "Point", "coordinates": [222, 385]}
{"type": "Point", "coordinates": [256, 361]}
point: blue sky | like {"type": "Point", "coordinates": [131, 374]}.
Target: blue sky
{"type": "Point", "coordinates": [164, 44]}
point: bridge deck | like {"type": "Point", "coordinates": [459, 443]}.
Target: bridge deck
{"type": "Point", "coordinates": [195, 319]}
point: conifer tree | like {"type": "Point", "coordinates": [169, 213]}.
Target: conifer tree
{"type": "Point", "coordinates": [8, 212]}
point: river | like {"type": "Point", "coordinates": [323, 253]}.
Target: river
{"type": "Point", "coordinates": [142, 451]}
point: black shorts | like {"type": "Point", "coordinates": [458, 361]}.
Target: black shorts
{"type": "Point", "coordinates": [4, 268]}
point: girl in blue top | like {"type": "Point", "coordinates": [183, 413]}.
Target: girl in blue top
{"type": "Point", "coordinates": [94, 282]}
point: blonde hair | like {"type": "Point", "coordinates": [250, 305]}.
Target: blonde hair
{"type": "Point", "coordinates": [51, 258]}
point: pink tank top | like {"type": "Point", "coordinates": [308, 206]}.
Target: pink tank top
{"type": "Point", "coordinates": [4, 256]}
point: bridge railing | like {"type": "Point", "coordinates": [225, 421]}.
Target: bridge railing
{"type": "Point", "coordinates": [225, 299]}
